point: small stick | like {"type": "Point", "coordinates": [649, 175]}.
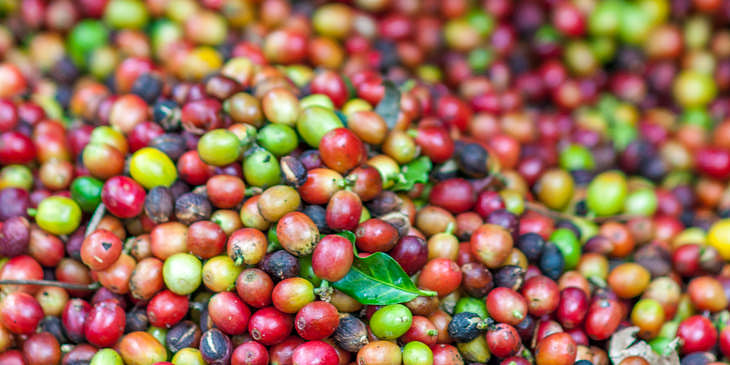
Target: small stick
{"type": "Point", "coordinates": [93, 223]}
{"type": "Point", "coordinates": [560, 215]}
{"type": "Point", "coordinates": [549, 212]}
{"type": "Point", "coordinates": [95, 219]}
{"type": "Point", "coordinates": [58, 284]}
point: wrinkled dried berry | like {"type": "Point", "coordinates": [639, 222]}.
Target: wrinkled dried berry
{"type": "Point", "coordinates": [191, 208]}
{"type": "Point", "coordinates": [466, 326]}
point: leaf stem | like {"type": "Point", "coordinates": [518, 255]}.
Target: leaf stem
{"type": "Point", "coordinates": [54, 283]}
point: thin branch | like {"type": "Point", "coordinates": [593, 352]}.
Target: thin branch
{"type": "Point", "coordinates": [93, 223]}
{"type": "Point", "coordinates": [617, 217]}
{"type": "Point", "coordinates": [58, 284]}
{"type": "Point", "coordinates": [535, 207]}
{"type": "Point", "coordinates": [554, 214]}
{"type": "Point", "coordinates": [95, 219]}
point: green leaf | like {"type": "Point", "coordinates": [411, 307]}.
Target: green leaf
{"type": "Point", "coordinates": [349, 235]}
{"type": "Point", "coordinates": [379, 280]}
{"type": "Point", "coordinates": [389, 106]}
{"type": "Point", "coordinates": [416, 171]}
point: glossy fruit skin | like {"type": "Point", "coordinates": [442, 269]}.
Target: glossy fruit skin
{"type": "Point", "coordinates": [391, 321]}
{"type": "Point", "coordinates": [417, 353]}
{"type": "Point", "coordinates": [219, 147]}
{"type": "Point", "coordinates": [261, 168]}
{"type": "Point", "coordinates": [315, 122]}
{"type": "Point", "coordinates": [182, 273]}
{"type": "Point", "coordinates": [107, 356]}
{"type": "Point", "coordinates": [648, 315]}
{"type": "Point", "coordinates": [320, 185]}
{"type": "Point", "coordinates": [279, 139]}
{"type": "Point", "coordinates": [42, 348]}
{"type": "Point", "coordinates": [282, 352]}
{"type": "Point", "coordinates": [421, 330]}
{"type": "Point", "coordinates": [435, 143]}
{"type": "Point", "coordinates": [150, 167]}
{"type": "Point", "coordinates": [603, 317]}
{"type": "Point", "coordinates": [693, 89]}
{"type": "Point", "coordinates": [100, 249]}
{"type": "Point", "coordinates": [316, 320]}
{"type": "Point", "coordinates": [343, 211]}
{"type": "Point", "coordinates": [315, 353]}
{"type": "Point", "coordinates": [297, 233]}
{"type": "Point", "coordinates": [292, 294]}
{"type": "Point", "coordinates": [105, 324]}
{"type": "Point", "coordinates": [376, 235]}
{"type": "Point", "coordinates": [166, 309]}
{"type": "Point", "coordinates": [454, 195]}
{"type": "Point", "coordinates": [20, 202]}
{"type": "Point", "coordinates": [606, 193]}
{"type": "Point", "coordinates": [440, 275]}
{"type": "Point", "coordinates": [225, 191]}
{"type": "Point", "coordinates": [379, 352]}
{"type": "Point", "coordinates": [278, 200]}
{"type": "Point", "coordinates": [73, 318]}
{"type": "Point", "coordinates": [541, 294]}
{"type": "Point", "coordinates": [556, 349]}
{"type": "Point", "coordinates": [206, 239]}
{"type": "Point", "coordinates": [270, 326]}
{"type": "Point", "coordinates": [146, 279]}
{"type": "Point", "coordinates": [220, 274]}
{"type": "Point", "coordinates": [411, 252]}
{"type": "Point", "coordinates": [697, 334]}
{"type": "Point", "coordinates": [254, 286]}
{"type": "Point", "coordinates": [192, 169]}
{"type": "Point", "coordinates": [58, 215]}
{"type": "Point", "coordinates": [141, 348]}
{"type": "Point", "coordinates": [491, 244]}
{"type": "Point", "coordinates": [247, 246]}
{"type": "Point", "coordinates": [102, 160]}
{"type": "Point", "coordinates": [20, 313]}
{"type": "Point", "coordinates": [12, 357]}
{"type": "Point", "coordinates": [707, 293]}
{"type": "Point", "coordinates": [45, 248]}
{"type": "Point", "coordinates": [572, 307]}
{"type": "Point", "coordinates": [86, 191]}
{"type": "Point", "coordinates": [21, 267]}
{"type": "Point", "coordinates": [503, 340]}
{"type": "Point", "coordinates": [569, 246]}
{"type": "Point", "coordinates": [17, 148]}
{"type": "Point", "coordinates": [123, 197]}
{"type": "Point", "coordinates": [506, 305]}
{"type": "Point", "coordinates": [226, 305]}
{"type": "Point", "coordinates": [332, 258]}
{"type": "Point", "coordinates": [250, 353]}
{"type": "Point", "coordinates": [368, 182]}
{"type": "Point", "coordinates": [341, 150]}
{"type": "Point", "coordinates": [446, 354]}
{"type": "Point", "coordinates": [629, 280]}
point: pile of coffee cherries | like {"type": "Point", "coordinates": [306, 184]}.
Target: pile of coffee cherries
{"type": "Point", "coordinates": [369, 182]}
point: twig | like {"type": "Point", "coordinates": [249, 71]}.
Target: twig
{"type": "Point", "coordinates": [549, 212]}
{"type": "Point", "coordinates": [95, 219]}
{"type": "Point", "coordinates": [93, 223]}
{"type": "Point", "coordinates": [58, 284]}
{"type": "Point", "coordinates": [560, 215]}
{"type": "Point", "coordinates": [617, 217]}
